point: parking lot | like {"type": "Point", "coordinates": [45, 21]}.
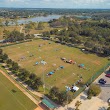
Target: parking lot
{"type": "Point", "coordinates": [105, 93]}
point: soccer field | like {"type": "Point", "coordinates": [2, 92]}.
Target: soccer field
{"type": "Point", "coordinates": [11, 98]}
{"type": "Point", "coordinates": [28, 53]}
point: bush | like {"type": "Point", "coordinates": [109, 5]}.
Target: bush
{"type": "Point", "coordinates": [89, 96]}
{"type": "Point", "coordinates": [108, 108]}
{"type": "Point", "coordinates": [94, 90]}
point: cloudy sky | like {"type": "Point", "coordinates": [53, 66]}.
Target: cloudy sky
{"type": "Point", "coordinates": [105, 4]}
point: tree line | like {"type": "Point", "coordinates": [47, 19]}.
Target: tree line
{"type": "Point", "coordinates": [31, 79]}
{"type": "Point", "coordinates": [93, 35]}
{"type": "Point", "coordinates": [14, 13]}
{"type": "Point", "coordinates": [14, 36]}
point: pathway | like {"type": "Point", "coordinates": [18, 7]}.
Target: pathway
{"type": "Point", "coordinates": [21, 29]}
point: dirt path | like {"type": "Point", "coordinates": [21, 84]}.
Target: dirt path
{"type": "Point", "coordinates": [23, 90]}
{"type": "Point", "coordinates": [21, 29]}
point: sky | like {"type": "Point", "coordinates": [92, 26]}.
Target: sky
{"type": "Point", "coordinates": [93, 4]}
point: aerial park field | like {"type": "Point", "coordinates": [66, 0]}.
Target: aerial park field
{"type": "Point", "coordinates": [56, 64]}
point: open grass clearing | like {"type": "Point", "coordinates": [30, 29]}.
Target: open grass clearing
{"type": "Point", "coordinates": [52, 53]}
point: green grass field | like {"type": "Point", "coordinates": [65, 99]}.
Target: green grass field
{"type": "Point", "coordinates": [10, 100]}
{"type": "Point", "coordinates": [52, 54]}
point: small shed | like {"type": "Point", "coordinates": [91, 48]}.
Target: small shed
{"type": "Point", "coordinates": [48, 104]}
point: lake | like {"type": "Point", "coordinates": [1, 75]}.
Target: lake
{"type": "Point", "coordinates": [82, 16]}
{"type": "Point", "coordinates": [38, 19]}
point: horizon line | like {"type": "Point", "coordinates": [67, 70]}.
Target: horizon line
{"type": "Point", "coordinates": [56, 8]}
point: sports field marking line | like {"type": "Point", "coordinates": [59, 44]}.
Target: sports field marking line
{"type": "Point", "coordinates": [13, 95]}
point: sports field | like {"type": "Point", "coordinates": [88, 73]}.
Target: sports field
{"type": "Point", "coordinates": [27, 54]}
{"type": "Point", "coordinates": [11, 98]}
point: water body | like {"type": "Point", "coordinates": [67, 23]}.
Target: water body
{"type": "Point", "coordinates": [82, 16]}
{"type": "Point", "coordinates": [38, 19]}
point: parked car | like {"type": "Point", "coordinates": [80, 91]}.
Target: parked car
{"type": "Point", "coordinates": [107, 75]}
{"type": "Point", "coordinates": [102, 81]}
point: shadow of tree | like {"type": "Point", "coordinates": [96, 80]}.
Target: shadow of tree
{"type": "Point", "coordinates": [102, 108]}
{"type": "Point", "coordinates": [70, 108]}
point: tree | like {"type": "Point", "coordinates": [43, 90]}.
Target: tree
{"type": "Point", "coordinates": [23, 74]}
{"type": "Point", "coordinates": [1, 51]}
{"type": "Point", "coordinates": [37, 83]}
{"type": "Point", "coordinates": [54, 32]}
{"type": "Point", "coordinates": [6, 22]}
{"type": "Point", "coordinates": [54, 92]}
{"type": "Point", "coordinates": [6, 34]}
{"type": "Point", "coordinates": [77, 104]}
{"type": "Point", "coordinates": [9, 62]}
{"type": "Point", "coordinates": [30, 25]}
{"type": "Point", "coordinates": [15, 22]}
{"type": "Point", "coordinates": [94, 90]}
{"type": "Point", "coordinates": [27, 30]}
{"type": "Point", "coordinates": [62, 97]}
{"type": "Point", "coordinates": [32, 78]}
{"type": "Point", "coordinates": [46, 34]}
{"type": "Point", "coordinates": [4, 57]}
{"type": "Point", "coordinates": [108, 108]}
{"type": "Point", "coordinates": [13, 36]}
{"type": "Point", "coordinates": [1, 23]}
{"type": "Point", "coordinates": [28, 36]}
{"type": "Point", "coordinates": [40, 26]}
{"type": "Point", "coordinates": [15, 66]}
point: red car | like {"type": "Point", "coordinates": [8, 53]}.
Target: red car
{"type": "Point", "coordinates": [107, 75]}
